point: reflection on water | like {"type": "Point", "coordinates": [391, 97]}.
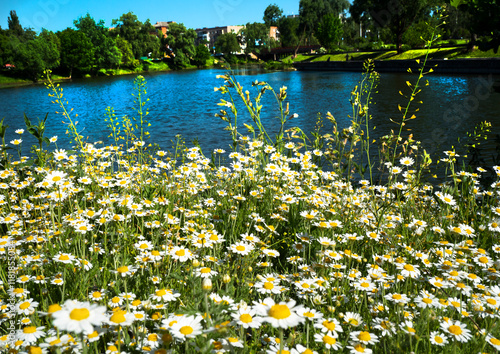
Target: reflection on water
{"type": "Point", "coordinates": [185, 103]}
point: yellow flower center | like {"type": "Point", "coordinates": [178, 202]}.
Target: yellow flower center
{"type": "Point", "coordinates": [494, 341]}
{"type": "Point", "coordinates": [268, 285]}
{"type": "Point", "coordinates": [186, 330]}
{"type": "Point", "coordinates": [240, 248]}
{"type": "Point", "coordinates": [246, 318]}
{"type": "Point", "coordinates": [364, 336]}
{"type": "Point", "coordinates": [397, 296]}
{"type": "Point", "coordinates": [30, 329]}
{"type": "Point", "coordinates": [205, 270]}
{"type": "Point", "coordinates": [359, 348]}
{"type": "Point", "coordinates": [456, 330]}
{"type": "Point", "coordinates": [118, 317]}
{"type": "Point", "coordinates": [180, 253]}
{"type": "Point", "coordinates": [280, 312]}
{"type": "Point", "coordinates": [483, 259]}
{"type": "Point", "coordinates": [409, 267]}
{"type": "Point", "coordinates": [330, 325]}
{"type": "Point", "coordinates": [79, 314]}
{"type": "Point", "coordinates": [63, 257]}
{"type": "Point", "coordinates": [123, 269]}
{"type": "Point", "coordinates": [161, 292]}
{"type": "Point", "coordinates": [329, 340]}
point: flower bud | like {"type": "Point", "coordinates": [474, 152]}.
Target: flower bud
{"type": "Point", "coordinates": [206, 284]}
{"type": "Point", "coordinates": [196, 263]}
{"type": "Point", "coordinates": [226, 278]}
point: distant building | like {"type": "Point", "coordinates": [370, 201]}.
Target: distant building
{"type": "Point", "coordinates": [211, 34]}
{"type": "Point", "coordinates": [163, 27]}
{"type": "Point", "coordinates": [274, 33]}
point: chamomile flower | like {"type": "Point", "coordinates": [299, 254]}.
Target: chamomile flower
{"type": "Point", "coordinates": [437, 338]}
{"type": "Point", "coordinates": [186, 327]}
{"type": "Point", "coordinates": [79, 317]}
{"type": "Point", "coordinates": [280, 315]}
{"type": "Point", "coordinates": [456, 330]}
{"type": "Point", "coordinates": [329, 341]}
{"type": "Point", "coordinates": [30, 334]}
{"type": "Point", "coordinates": [364, 337]}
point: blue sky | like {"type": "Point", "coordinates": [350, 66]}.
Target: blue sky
{"type": "Point", "coordinates": [56, 15]}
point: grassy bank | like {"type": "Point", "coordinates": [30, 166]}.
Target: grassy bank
{"type": "Point", "coordinates": [434, 53]}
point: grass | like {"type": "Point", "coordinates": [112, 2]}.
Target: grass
{"type": "Point", "coordinates": [436, 53]}
{"type": "Point", "coordinates": [126, 247]}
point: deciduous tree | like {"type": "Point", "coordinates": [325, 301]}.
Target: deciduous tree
{"type": "Point", "coordinates": [329, 31]}
{"type": "Point", "coordinates": [77, 51]}
{"type": "Point", "coordinates": [397, 15]}
{"type": "Point", "coordinates": [255, 36]}
{"type": "Point", "coordinates": [180, 40]}
{"type": "Point", "coordinates": [272, 15]}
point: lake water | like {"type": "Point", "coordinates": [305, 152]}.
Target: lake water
{"type": "Point", "coordinates": [185, 103]}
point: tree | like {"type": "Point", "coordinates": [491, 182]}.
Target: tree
{"type": "Point", "coordinates": [77, 51]}
{"type": "Point", "coordinates": [484, 16]}
{"type": "Point", "coordinates": [418, 30]}
{"type": "Point", "coordinates": [51, 48]}
{"type": "Point", "coordinates": [127, 58]}
{"type": "Point", "coordinates": [397, 15]}
{"type": "Point", "coordinates": [180, 41]}
{"type": "Point", "coordinates": [143, 37]}
{"type": "Point", "coordinates": [106, 54]}
{"type": "Point", "coordinates": [289, 28]}
{"type": "Point", "coordinates": [227, 44]}
{"type": "Point", "coordinates": [329, 31]}
{"type": "Point", "coordinates": [201, 55]}
{"type": "Point", "coordinates": [255, 36]}
{"type": "Point", "coordinates": [311, 13]}
{"type": "Point", "coordinates": [272, 15]}
{"type": "Point", "coordinates": [14, 25]}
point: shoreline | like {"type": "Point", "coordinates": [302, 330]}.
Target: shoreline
{"type": "Point", "coordinates": [439, 66]}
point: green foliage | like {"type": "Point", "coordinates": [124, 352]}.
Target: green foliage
{"type": "Point", "coordinates": [397, 18]}
{"type": "Point", "coordinates": [180, 41]}
{"type": "Point", "coordinates": [330, 31]}
{"type": "Point", "coordinates": [143, 37]}
{"type": "Point", "coordinates": [14, 25]}
{"type": "Point", "coordinates": [127, 55]}
{"type": "Point", "coordinates": [289, 31]}
{"type": "Point", "coordinates": [311, 13]}
{"type": "Point", "coordinates": [256, 37]}
{"type": "Point", "coordinates": [227, 43]}
{"type": "Point", "coordinates": [272, 15]}
{"type": "Point", "coordinates": [106, 54]}
{"type": "Point", "coordinates": [4, 156]}
{"type": "Point", "coordinates": [38, 132]}
{"type": "Point", "coordinates": [77, 51]}
{"type": "Point", "coordinates": [202, 54]}
{"type": "Point", "coordinates": [417, 33]}
{"type": "Point", "coordinates": [34, 56]}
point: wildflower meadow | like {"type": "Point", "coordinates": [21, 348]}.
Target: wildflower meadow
{"type": "Point", "coordinates": [283, 243]}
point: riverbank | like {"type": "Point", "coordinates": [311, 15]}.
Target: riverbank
{"type": "Point", "coordinates": [440, 66]}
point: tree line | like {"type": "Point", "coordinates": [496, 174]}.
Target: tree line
{"type": "Point", "coordinates": [334, 24]}
{"type": "Point", "coordinates": [370, 24]}
{"type": "Point", "coordinates": [93, 47]}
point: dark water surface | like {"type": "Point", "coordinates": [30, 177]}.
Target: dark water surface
{"type": "Point", "coordinates": [185, 103]}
